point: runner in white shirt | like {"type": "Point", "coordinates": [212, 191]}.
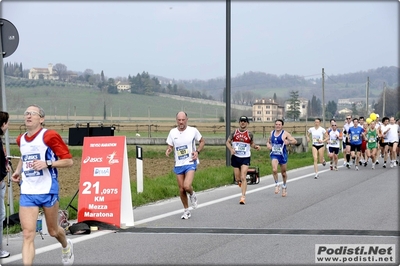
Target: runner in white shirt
{"type": "Point", "coordinates": [346, 142]}
{"type": "Point", "coordinates": [393, 139]}
{"type": "Point", "coordinates": [334, 135]}
{"type": "Point", "coordinates": [317, 134]}
{"type": "Point", "coordinates": [332, 121]}
{"type": "Point", "coordinates": [182, 140]}
{"type": "Point", "coordinates": [384, 142]}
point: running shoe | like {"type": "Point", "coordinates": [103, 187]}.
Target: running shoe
{"type": "Point", "coordinates": [365, 164]}
{"type": "Point", "coordinates": [348, 165]}
{"type": "Point", "coordinates": [240, 183]}
{"type": "Point", "coordinates": [186, 215]}
{"type": "Point", "coordinates": [242, 200]}
{"type": "Point", "coordinates": [324, 163]}
{"type": "Point", "coordinates": [193, 200]}
{"type": "Point", "coordinates": [384, 165]}
{"type": "Point", "coordinates": [284, 193]}
{"type": "Point", "coordinates": [335, 168]}
{"type": "Point", "coordinates": [377, 162]}
{"type": "Point", "coordinates": [356, 168]}
{"type": "Point", "coordinates": [68, 253]}
{"type": "Point", "coordinates": [360, 163]}
{"type": "Point", "coordinates": [331, 167]}
{"type": "Point", "coordinates": [277, 189]}
{"type": "Point", "coordinates": [391, 164]}
{"type": "Point", "coordinates": [316, 176]}
{"type": "Point", "coordinates": [373, 166]}
{"type": "Point", "coordinates": [4, 254]}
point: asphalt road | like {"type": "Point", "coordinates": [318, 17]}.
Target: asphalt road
{"type": "Point", "coordinates": [341, 207]}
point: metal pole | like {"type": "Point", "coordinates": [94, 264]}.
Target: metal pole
{"type": "Point", "coordinates": [228, 79]}
{"type": "Point", "coordinates": [323, 97]}
{"type": "Point", "coordinates": [384, 99]}
{"type": "Point", "coordinates": [366, 97]}
{"type": "Point", "coordinates": [3, 107]}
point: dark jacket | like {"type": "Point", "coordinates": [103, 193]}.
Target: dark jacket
{"type": "Point", "coordinates": [3, 162]}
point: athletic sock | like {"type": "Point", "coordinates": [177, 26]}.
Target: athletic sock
{"type": "Point", "coordinates": [348, 158]}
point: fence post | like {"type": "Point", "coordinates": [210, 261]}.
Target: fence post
{"type": "Point", "coordinates": [139, 169]}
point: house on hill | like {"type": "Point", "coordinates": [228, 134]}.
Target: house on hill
{"type": "Point", "coordinates": [123, 86]}
{"type": "Point", "coordinates": [43, 73]}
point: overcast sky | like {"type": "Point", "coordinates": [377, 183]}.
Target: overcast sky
{"type": "Point", "coordinates": [186, 39]}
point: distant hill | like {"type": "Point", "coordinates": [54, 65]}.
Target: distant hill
{"type": "Point", "coordinates": [265, 85]}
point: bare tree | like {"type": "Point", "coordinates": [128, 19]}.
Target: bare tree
{"type": "Point", "coordinates": [61, 70]}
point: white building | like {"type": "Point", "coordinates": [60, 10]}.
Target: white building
{"type": "Point", "coordinates": [123, 86]}
{"type": "Point", "coordinates": [303, 107]}
{"type": "Point", "coordinates": [266, 111]}
{"type": "Point", "coordinates": [43, 73]}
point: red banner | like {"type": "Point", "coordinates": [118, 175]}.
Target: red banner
{"type": "Point", "coordinates": [104, 190]}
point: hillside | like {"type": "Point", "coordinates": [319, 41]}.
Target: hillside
{"type": "Point", "coordinates": [351, 85]}
{"type": "Point", "coordinates": [67, 99]}
{"type": "Point", "coordinates": [69, 102]}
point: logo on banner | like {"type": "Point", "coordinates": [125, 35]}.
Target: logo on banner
{"type": "Point", "coordinates": [111, 159]}
{"type": "Point", "coordinates": [93, 160]}
{"type": "Point", "coordinates": [101, 171]}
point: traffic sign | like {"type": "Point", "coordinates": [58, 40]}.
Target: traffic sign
{"type": "Point", "coordinates": [9, 37]}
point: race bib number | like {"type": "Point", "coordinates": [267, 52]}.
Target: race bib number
{"type": "Point", "coordinates": [315, 139]}
{"type": "Point", "coordinates": [182, 152]}
{"type": "Point", "coordinates": [277, 149]}
{"type": "Point", "coordinates": [334, 141]}
{"type": "Point", "coordinates": [355, 137]}
{"type": "Point", "coordinates": [240, 148]}
{"type": "Point", "coordinates": [29, 172]}
{"type": "Point", "coordinates": [371, 140]}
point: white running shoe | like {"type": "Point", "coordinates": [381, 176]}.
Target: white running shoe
{"type": "Point", "coordinates": [4, 254]}
{"type": "Point", "coordinates": [186, 215]}
{"type": "Point", "coordinates": [68, 253]}
{"type": "Point", "coordinates": [193, 200]}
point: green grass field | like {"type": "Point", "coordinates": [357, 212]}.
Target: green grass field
{"type": "Point", "coordinates": [69, 102]}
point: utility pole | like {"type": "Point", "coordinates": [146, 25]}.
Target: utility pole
{"type": "Point", "coordinates": [366, 97]}
{"type": "Point", "coordinates": [228, 80]}
{"type": "Point", "coordinates": [384, 99]}
{"type": "Point", "coordinates": [323, 97]}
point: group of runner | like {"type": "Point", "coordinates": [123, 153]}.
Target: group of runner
{"type": "Point", "coordinates": [361, 140]}
{"type": "Point", "coordinates": [365, 140]}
